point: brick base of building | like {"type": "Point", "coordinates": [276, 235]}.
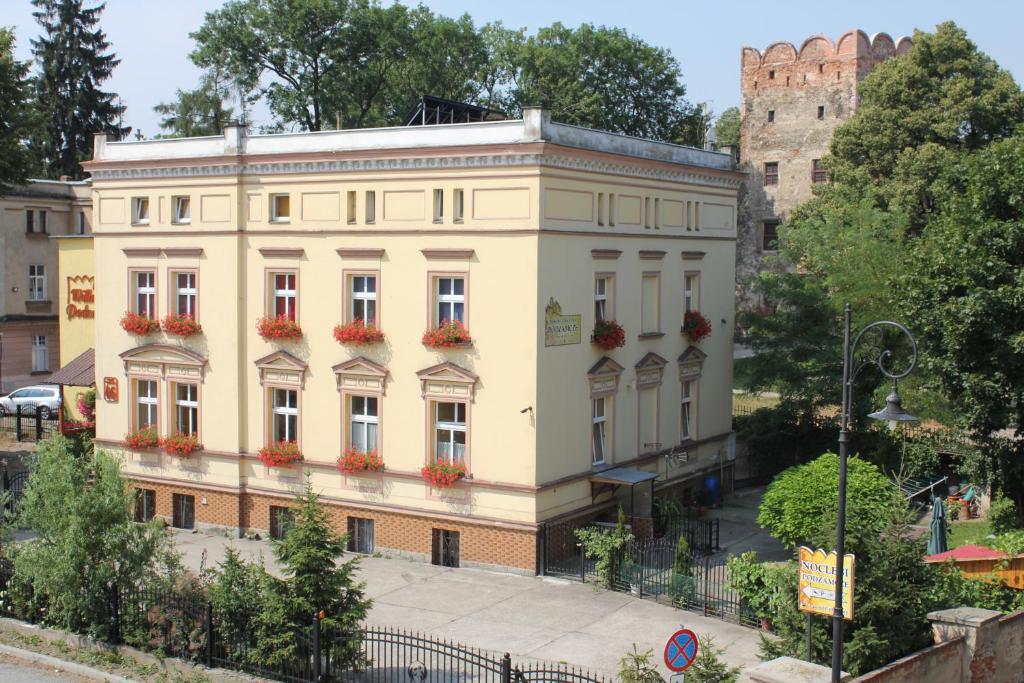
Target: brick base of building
{"type": "Point", "coordinates": [395, 533]}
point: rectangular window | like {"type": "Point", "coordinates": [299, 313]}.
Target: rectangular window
{"type": "Point", "coordinates": [144, 282]}
{"type": "Point", "coordinates": [647, 400]}
{"type": "Point", "coordinates": [363, 297]}
{"type": "Point", "coordinates": [185, 294]}
{"type": "Point", "coordinates": [696, 215]}
{"type": "Point", "coordinates": [686, 422]}
{"type": "Point", "coordinates": [818, 174]}
{"type": "Point", "coordinates": [647, 212]}
{"type": "Point", "coordinates": [771, 173]}
{"type": "Point", "coordinates": [450, 297]}
{"type": "Point", "coordinates": [600, 208]}
{"type": "Point", "coordinates": [284, 415]}
{"type": "Point", "coordinates": [360, 536]}
{"type": "Point", "coordinates": [350, 207]}
{"type": "Point", "coordinates": [81, 222]}
{"type": "Point", "coordinates": [186, 409]}
{"type": "Point", "coordinates": [688, 218]}
{"type": "Point", "coordinates": [145, 505]}
{"type": "Point", "coordinates": [140, 210]}
{"type": "Point", "coordinates": [281, 520]}
{"type": "Point", "coordinates": [184, 513]}
{"type": "Point", "coordinates": [371, 206]}
{"type": "Point", "coordinates": [770, 236]}
{"type": "Point", "coordinates": [771, 116]}
{"type": "Point", "coordinates": [363, 423]}
{"type": "Point", "coordinates": [438, 206]}
{"type": "Point", "coordinates": [37, 283]}
{"type": "Point", "coordinates": [459, 208]}
{"type": "Point", "coordinates": [30, 220]}
{"type": "Point", "coordinates": [449, 432]}
{"type": "Point", "coordinates": [280, 208]}
{"type": "Point", "coordinates": [650, 315]}
{"type": "Point", "coordinates": [691, 292]}
{"type": "Point", "coordinates": [147, 404]}
{"type": "Point", "coordinates": [599, 430]}
{"type": "Point", "coordinates": [40, 354]}
{"type": "Point", "coordinates": [182, 210]}
{"type": "Point", "coordinates": [771, 75]}
{"type": "Point", "coordinates": [821, 111]}
{"type": "Point", "coordinates": [657, 214]}
{"type": "Point", "coordinates": [42, 221]}
{"type": "Point", "coordinates": [602, 295]}
{"type": "Point", "coordinates": [444, 548]}
{"type": "Point", "coordinates": [611, 210]}
{"type": "Point", "coordinates": [284, 297]}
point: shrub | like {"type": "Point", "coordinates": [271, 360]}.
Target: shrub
{"type": "Point", "coordinates": [182, 325]}
{"type": "Point", "coordinates": [281, 328]}
{"type": "Point", "coordinates": [608, 547]}
{"type": "Point", "coordinates": [766, 590]}
{"type": "Point", "coordinates": [441, 475]}
{"type": "Point", "coordinates": [142, 438]}
{"type": "Point", "coordinates": [448, 334]}
{"type": "Point", "coordinates": [708, 667]}
{"type": "Point", "coordinates": [682, 585]}
{"type": "Point", "coordinates": [696, 326]}
{"type": "Point", "coordinates": [280, 453]}
{"type": "Point", "coordinates": [136, 324]}
{"type": "Point", "coordinates": [1003, 514]}
{"type": "Point", "coordinates": [87, 405]}
{"type": "Point", "coordinates": [181, 445]}
{"type": "Point", "coordinates": [358, 333]}
{"type": "Point", "coordinates": [608, 335]}
{"type": "Point", "coordinates": [354, 460]}
{"type": "Point", "coordinates": [637, 667]}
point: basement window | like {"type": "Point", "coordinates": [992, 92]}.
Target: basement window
{"type": "Point", "coordinates": [771, 116]}
{"type": "Point", "coordinates": [771, 75]}
{"type": "Point", "coordinates": [821, 111]}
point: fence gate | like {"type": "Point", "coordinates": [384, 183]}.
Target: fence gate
{"type": "Point", "coordinates": [14, 485]}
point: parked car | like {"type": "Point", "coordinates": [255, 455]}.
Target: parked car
{"type": "Point", "coordinates": [41, 399]}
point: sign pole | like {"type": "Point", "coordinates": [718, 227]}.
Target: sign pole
{"type": "Point", "coordinates": [810, 639]}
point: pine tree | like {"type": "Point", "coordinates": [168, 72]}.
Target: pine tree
{"type": "Point", "coordinates": [15, 114]}
{"type": "Point", "coordinates": [73, 59]}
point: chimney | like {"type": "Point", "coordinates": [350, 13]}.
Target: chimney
{"type": "Point", "coordinates": [99, 146]}
{"type": "Point", "coordinates": [234, 137]}
{"type": "Point", "coordinates": [536, 120]}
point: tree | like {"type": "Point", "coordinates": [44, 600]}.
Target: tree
{"type": "Point", "coordinates": [799, 506]}
{"type": "Point", "coordinates": [196, 112]}
{"type": "Point", "coordinates": [727, 128]}
{"type": "Point", "coordinates": [15, 114]}
{"type": "Point", "coordinates": [708, 666]}
{"type": "Point", "coordinates": [73, 59]}
{"type": "Point", "coordinates": [638, 667]}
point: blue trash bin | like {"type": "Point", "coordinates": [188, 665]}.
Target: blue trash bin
{"type": "Point", "coordinates": [711, 485]}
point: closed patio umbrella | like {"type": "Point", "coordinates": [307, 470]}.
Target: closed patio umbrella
{"type": "Point", "coordinates": [937, 539]}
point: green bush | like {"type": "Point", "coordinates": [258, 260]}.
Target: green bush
{"type": "Point", "coordinates": [765, 589]}
{"type": "Point", "coordinates": [1003, 515]}
{"type": "Point", "coordinates": [708, 666]}
{"type": "Point", "coordinates": [608, 548]}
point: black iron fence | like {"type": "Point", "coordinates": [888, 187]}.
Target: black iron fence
{"type": "Point", "coordinates": [178, 621]}
{"type": "Point", "coordinates": [29, 424]}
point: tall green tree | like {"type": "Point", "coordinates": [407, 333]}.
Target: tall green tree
{"type": "Point", "coordinates": [73, 59]}
{"type": "Point", "coordinates": [196, 112]}
{"type": "Point", "coordinates": [15, 114]}
{"type": "Point", "coordinates": [727, 127]}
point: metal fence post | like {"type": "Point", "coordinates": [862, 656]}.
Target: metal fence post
{"type": "Point", "coordinates": [317, 664]}
{"type": "Point", "coordinates": [116, 609]}
{"type": "Point", "coordinates": [506, 668]}
{"type": "Point", "coordinates": [583, 563]}
{"type": "Point", "coordinates": [209, 634]}
{"type": "Point", "coordinates": [17, 422]}
{"type": "Point", "coordinates": [39, 425]}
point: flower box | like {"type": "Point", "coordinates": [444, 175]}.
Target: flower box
{"type": "Point", "coordinates": [354, 461]}
{"type": "Point", "coordinates": [608, 335]}
{"type": "Point", "coordinates": [70, 427]}
{"type": "Point", "coordinates": [447, 335]}
{"type": "Point", "coordinates": [142, 438]}
{"type": "Point", "coordinates": [696, 326]}
{"type": "Point", "coordinates": [441, 475]}
{"type": "Point", "coordinates": [136, 324]}
{"type": "Point", "coordinates": [181, 445]}
{"type": "Point", "coordinates": [180, 325]}
{"type": "Point", "coordinates": [281, 328]}
{"type": "Point", "coordinates": [280, 453]}
{"type": "Point", "coordinates": [359, 333]}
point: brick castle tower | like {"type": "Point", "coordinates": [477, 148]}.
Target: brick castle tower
{"type": "Point", "coordinates": [793, 99]}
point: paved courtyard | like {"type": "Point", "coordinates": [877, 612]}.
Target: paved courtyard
{"type": "Point", "coordinates": [532, 617]}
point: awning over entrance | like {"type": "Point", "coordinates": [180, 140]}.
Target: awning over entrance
{"type": "Point", "coordinates": [623, 475]}
{"type": "Point", "coordinates": [80, 372]}
{"type": "Point", "coordinates": [633, 488]}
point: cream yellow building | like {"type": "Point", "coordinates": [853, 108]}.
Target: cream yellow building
{"type": "Point", "coordinates": [525, 230]}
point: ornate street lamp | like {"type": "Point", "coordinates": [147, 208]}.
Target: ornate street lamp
{"type": "Point", "coordinates": [893, 413]}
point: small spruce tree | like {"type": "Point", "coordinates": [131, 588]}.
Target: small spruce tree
{"type": "Point", "coordinates": [708, 667]}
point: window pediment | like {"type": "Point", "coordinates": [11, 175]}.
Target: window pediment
{"type": "Point", "coordinates": [691, 363]}
{"type": "Point", "coordinates": [164, 360]}
{"type": "Point", "coordinates": [360, 374]}
{"type": "Point", "coordinates": [649, 370]}
{"type": "Point", "coordinates": [604, 377]}
{"type": "Point", "coordinates": [447, 381]}
{"type": "Point", "coordinates": [281, 368]}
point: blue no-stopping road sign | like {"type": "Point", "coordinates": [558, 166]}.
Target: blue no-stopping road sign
{"type": "Point", "coordinates": [681, 650]}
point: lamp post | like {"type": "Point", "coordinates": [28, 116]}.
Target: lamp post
{"type": "Point", "coordinates": [893, 412]}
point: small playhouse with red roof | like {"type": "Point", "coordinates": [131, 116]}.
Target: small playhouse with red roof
{"type": "Point", "coordinates": [984, 564]}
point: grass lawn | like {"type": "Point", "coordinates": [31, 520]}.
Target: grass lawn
{"type": "Point", "coordinates": [969, 532]}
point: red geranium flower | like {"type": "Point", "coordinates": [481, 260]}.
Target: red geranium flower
{"type": "Point", "coordinates": [608, 335]}
{"type": "Point", "coordinates": [354, 460]}
{"type": "Point", "coordinates": [141, 438]}
{"type": "Point", "coordinates": [280, 453]}
{"type": "Point", "coordinates": [441, 475]}
{"type": "Point", "coordinates": [133, 323]}
{"type": "Point", "coordinates": [280, 328]}
{"type": "Point", "coordinates": [696, 326]}
{"type": "Point", "coordinates": [183, 325]}
{"type": "Point", "coordinates": [181, 445]}
{"type": "Point", "coordinates": [448, 334]}
{"type": "Point", "coordinates": [357, 332]}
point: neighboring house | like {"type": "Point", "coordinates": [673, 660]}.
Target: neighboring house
{"type": "Point", "coordinates": [792, 101]}
{"type": "Point", "coordinates": [29, 215]}
{"type": "Point", "coordinates": [526, 231]}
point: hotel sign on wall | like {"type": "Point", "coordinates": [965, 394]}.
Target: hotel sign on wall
{"type": "Point", "coordinates": [81, 297]}
{"type": "Point", "coordinates": [560, 329]}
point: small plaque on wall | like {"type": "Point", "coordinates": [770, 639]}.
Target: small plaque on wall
{"type": "Point", "coordinates": [110, 389]}
{"type": "Point", "coordinates": [559, 329]}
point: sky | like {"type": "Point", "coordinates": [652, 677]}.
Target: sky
{"type": "Point", "coordinates": [151, 36]}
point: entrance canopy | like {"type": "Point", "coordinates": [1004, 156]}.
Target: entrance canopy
{"type": "Point", "coordinates": [634, 489]}
{"type": "Point", "coordinates": [80, 372]}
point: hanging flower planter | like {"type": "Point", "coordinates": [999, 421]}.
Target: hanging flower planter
{"type": "Point", "coordinates": [696, 326]}
{"type": "Point", "coordinates": [180, 325]}
{"type": "Point", "coordinates": [281, 328]}
{"type": "Point", "coordinates": [142, 438]}
{"type": "Point", "coordinates": [354, 461]}
{"type": "Point", "coordinates": [280, 453]}
{"type": "Point", "coordinates": [136, 324]}
{"type": "Point", "coordinates": [358, 333]}
{"type": "Point", "coordinates": [181, 445]}
{"type": "Point", "coordinates": [449, 334]}
{"type": "Point", "coordinates": [442, 475]}
{"type": "Point", "coordinates": [608, 335]}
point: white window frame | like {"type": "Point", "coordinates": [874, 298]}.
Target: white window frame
{"type": "Point", "coordinates": [691, 291]}
{"type": "Point", "coordinates": [371, 206]}
{"type": "Point", "coordinates": [449, 301]}
{"type": "Point", "coordinates": [40, 353]}
{"type": "Point", "coordinates": [439, 206]}
{"type": "Point", "coordinates": [599, 429]}
{"type": "Point", "coordinates": [289, 294]}
{"type": "Point", "coordinates": [286, 410]}
{"type": "Point", "coordinates": [187, 406]}
{"type": "Point", "coordinates": [459, 205]}
{"type": "Point", "coordinates": [275, 210]}
{"type": "Point", "coordinates": [150, 402]}
{"type": "Point", "coordinates": [149, 291]}
{"type": "Point", "coordinates": [140, 217]}
{"type": "Point", "coordinates": [189, 291]}
{"type": "Point", "coordinates": [182, 205]}
{"type": "Point", "coordinates": [687, 427]}
{"type": "Point", "coordinates": [602, 300]}
{"type": "Point", "coordinates": [363, 296]}
{"type": "Point", "coordinates": [453, 428]}
{"type": "Point", "coordinates": [37, 282]}
{"type": "Point", "coordinates": [360, 423]}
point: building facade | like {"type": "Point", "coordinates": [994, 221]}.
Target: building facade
{"type": "Point", "coordinates": [525, 231]}
{"type": "Point", "coordinates": [792, 101]}
{"type": "Point", "coordinates": [29, 216]}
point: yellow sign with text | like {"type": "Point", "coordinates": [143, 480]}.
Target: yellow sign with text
{"type": "Point", "coordinates": [817, 587]}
